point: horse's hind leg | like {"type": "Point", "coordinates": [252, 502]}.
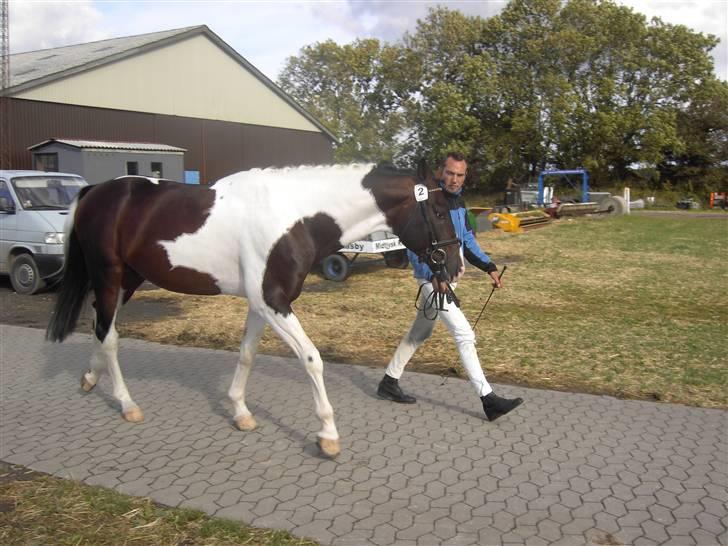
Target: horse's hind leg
{"type": "Point", "coordinates": [254, 325]}
{"type": "Point", "coordinates": [290, 330]}
{"type": "Point", "coordinates": [108, 299]}
{"type": "Point", "coordinates": [97, 366]}
{"type": "Point", "coordinates": [130, 282]}
{"type": "Point", "coordinates": [98, 363]}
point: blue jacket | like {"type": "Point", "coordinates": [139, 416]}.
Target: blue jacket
{"type": "Point", "coordinates": [463, 231]}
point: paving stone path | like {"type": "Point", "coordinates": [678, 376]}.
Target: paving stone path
{"type": "Point", "coordinates": [563, 469]}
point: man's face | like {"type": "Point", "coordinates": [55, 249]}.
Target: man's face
{"type": "Point", "coordinates": [453, 174]}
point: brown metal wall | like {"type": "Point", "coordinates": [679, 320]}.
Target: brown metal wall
{"type": "Point", "coordinates": [215, 148]}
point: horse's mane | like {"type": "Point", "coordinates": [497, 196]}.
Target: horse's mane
{"type": "Point", "coordinates": [325, 166]}
{"type": "Point", "coordinates": [381, 168]}
{"type": "Point", "coordinates": [387, 168]}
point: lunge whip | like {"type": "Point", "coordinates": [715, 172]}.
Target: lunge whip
{"type": "Point", "coordinates": [491, 294]}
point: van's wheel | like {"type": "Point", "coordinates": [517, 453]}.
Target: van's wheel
{"type": "Point", "coordinates": [335, 267]}
{"type": "Point", "coordinates": [24, 275]}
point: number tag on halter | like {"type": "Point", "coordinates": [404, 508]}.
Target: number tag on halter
{"type": "Point", "coordinates": [421, 193]}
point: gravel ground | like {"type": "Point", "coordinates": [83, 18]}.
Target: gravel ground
{"type": "Point", "coordinates": [34, 311]}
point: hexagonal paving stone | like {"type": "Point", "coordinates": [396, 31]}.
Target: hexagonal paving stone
{"type": "Point", "coordinates": [566, 468]}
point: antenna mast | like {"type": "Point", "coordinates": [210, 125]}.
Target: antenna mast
{"type": "Point", "coordinates": [4, 84]}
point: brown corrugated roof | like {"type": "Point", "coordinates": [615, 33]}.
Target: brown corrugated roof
{"type": "Point", "coordinates": [110, 145]}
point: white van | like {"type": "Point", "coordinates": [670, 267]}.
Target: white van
{"type": "Point", "coordinates": [33, 211]}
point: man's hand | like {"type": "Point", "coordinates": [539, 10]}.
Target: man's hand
{"type": "Point", "coordinates": [438, 286]}
{"type": "Point", "coordinates": [496, 279]}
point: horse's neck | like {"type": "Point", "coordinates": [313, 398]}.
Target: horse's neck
{"type": "Point", "coordinates": [370, 212]}
{"type": "Point", "coordinates": [337, 192]}
{"type": "Point", "coordinates": [368, 222]}
{"type": "Point", "coordinates": [384, 207]}
{"type": "Point", "coordinates": [355, 210]}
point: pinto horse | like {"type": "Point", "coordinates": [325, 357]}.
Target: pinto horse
{"type": "Point", "coordinates": [254, 234]}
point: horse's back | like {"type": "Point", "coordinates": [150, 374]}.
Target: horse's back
{"type": "Point", "coordinates": [137, 206]}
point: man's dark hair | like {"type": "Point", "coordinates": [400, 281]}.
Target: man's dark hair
{"type": "Point", "coordinates": [457, 156]}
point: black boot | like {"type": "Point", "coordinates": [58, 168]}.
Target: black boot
{"type": "Point", "coordinates": [495, 406]}
{"type": "Point", "coordinates": [389, 389]}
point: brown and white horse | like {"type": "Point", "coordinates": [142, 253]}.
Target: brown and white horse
{"type": "Point", "coordinates": [254, 234]}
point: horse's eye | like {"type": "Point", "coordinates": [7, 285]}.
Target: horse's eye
{"type": "Point", "coordinates": [440, 215]}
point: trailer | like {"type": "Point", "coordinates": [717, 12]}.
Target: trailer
{"type": "Point", "coordinates": [535, 204]}
{"type": "Point", "coordinates": [585, 202]}
{"type": "Point", "coordinates": [541, 202]}
{"type": "Point", "coordinates": [337, 266]}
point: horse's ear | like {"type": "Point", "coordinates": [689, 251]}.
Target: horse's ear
{"type": "Point", "coordinates": [423, 171]}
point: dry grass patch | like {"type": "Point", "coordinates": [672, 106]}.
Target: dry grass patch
{"type": "Point", "coordinates": [40, 509]}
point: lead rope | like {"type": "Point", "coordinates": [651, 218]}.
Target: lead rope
{"type": "Point", "coordinates": [435, 302]}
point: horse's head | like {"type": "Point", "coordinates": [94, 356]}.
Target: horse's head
{"type": "Point", "coordinates": [419, 215]}
{"type": "Point", "coordinates": [431, 234]}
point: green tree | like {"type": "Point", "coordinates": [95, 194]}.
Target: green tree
{"type": "Point", "coordinates": [359, 90]}
{"type": "Point", "coordinates": [703, 128]}
{"type": "Point", "coordinates": [453, 98]}
{"type": "Point", "coordinates": [591, 83]}
{"type": "Point", "coordinates": [544, 84]}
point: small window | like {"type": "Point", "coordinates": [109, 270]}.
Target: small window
{"type": "Point", "coordinates": [132, 167]}
{"type": "Point", "coordinates": [156, 170]}
{"type": "Point", "coordinates": [4, 191]}
{"type": "Point", "coordinates": [46, 162]}
{"type": "Point", "coordinates": [6, 200]}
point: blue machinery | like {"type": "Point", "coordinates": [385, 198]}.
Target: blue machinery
{"type": "Point", "coordinates": [584, 184]}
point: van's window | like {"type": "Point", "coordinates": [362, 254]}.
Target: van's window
{"type": "Point", "coordinates": [47, 192]}
{"type": "Point", "coordinates": [156, 170]}
{"type": "Point", "coordinates": [46, 162]}
{"type": "Point", "coordinates": [132, 167]}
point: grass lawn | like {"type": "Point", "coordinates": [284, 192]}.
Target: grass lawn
{"type": "Point", "coordinates": [632, 306]}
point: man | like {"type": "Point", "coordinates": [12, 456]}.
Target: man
{"type": "Point", "coordinates": [453, 177]}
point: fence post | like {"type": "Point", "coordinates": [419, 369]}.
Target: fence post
{"type": "Point", "coordinates": [627, 199]}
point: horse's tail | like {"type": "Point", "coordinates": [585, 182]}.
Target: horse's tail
{"type": "Point", "coordinates": [75, 284]}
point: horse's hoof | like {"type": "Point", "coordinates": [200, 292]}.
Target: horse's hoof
{"type": "Point", "coordinates": [133, 415]}
{"type": "Point", "coordinates": [330, 448]}
{"type": "Point", "coordinates": [86, 385]}
{"type": "Point", "coordinates": [246, 423]}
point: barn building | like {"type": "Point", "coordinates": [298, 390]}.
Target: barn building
{"type": "Point", "coordinates": [185, 88]}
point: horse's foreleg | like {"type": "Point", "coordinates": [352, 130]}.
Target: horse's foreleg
{"type": "Point", "coordinates": [290, 330]}
{"type": "Point", "coordinates": [106, 352]}
{"type": "Point", "coordinates": [254, 325]}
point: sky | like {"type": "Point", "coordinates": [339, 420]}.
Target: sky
{"type": "Point", "coordinates": [266, 33]}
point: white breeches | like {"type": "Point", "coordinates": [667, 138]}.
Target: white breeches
{"type": "Point", "coordinates": [459, 329]}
